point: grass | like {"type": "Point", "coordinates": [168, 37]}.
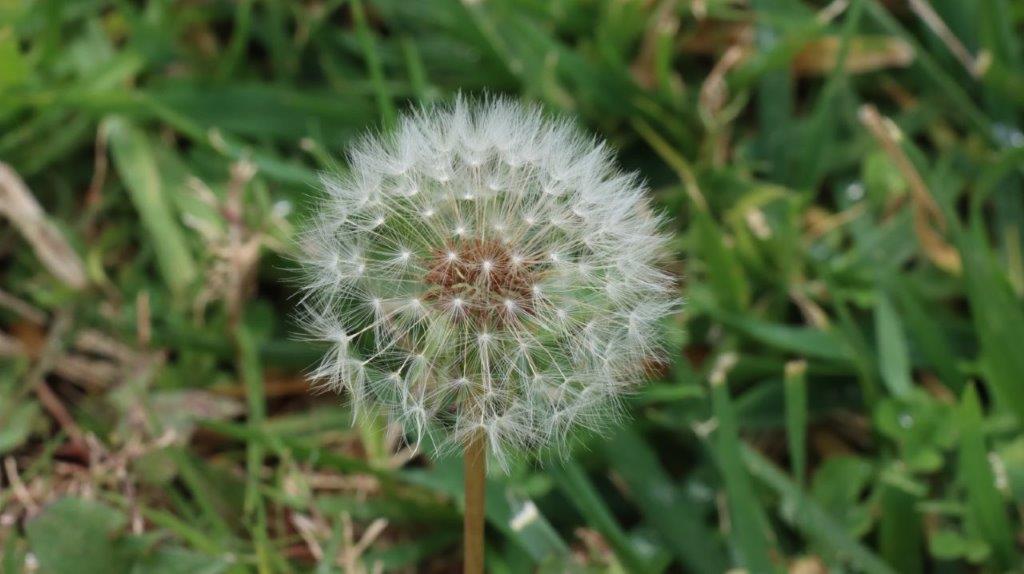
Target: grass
{"type": "Point", "coordinates": [845, 394]}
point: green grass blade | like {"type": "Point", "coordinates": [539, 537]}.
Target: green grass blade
{"type": "Point", "coordinates": [900, 531]}
{"type": "Point", "coordinates": [239, 37]}
{"type": "Point", "coordinates": [725, 274]}
{"type": "Point", "coordinates": [893, 356]}
{"type": "Point", "coordinates": [202, 493]}
{"type": "Point", "coordinates": [574, 484]}
{"type": "Point", "coordinates": [750, 528]}
{"type": "Point", "coordinates": [188, 533]}
{"type": "Point", "coordinates": [946, 85]}
{"type": "Point", "coordinates": [927, 332]}
{"type": "Point", "coordinates": [795, 383]}
{"type": "Point", "coordinates": [803, 513]}
{"type": "Point", "coordinates": [251, 373]}
{"type": "Point", "coordinates": [252, 378]}
{"type": "Point", "coordinates": [986, 507]}
{"type": "Point", "coordinates": [675, 517]}
{"type": "Point", "coordinates": [774, 94]}
{"type": "Point", "coordinates": [822, 127]}
{"type": "Point", "coordinates": [806, 341]}
{"type": "Point", "coordinates": [137, 167]}
{"type": "Point", "coordinates": [373, 63]}
{"type": "Point", "coordinates": [511, 513]}
{"type": "Point", "coordinates": [998, 319]}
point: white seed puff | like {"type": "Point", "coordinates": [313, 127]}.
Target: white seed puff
{"type": "Point", "coordinates": [486, 268]}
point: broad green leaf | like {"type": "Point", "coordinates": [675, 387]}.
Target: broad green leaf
{"type": "Point", "coordinates": [951, 545]}
{"type": "Point", "coordinates": [79, 536]}
{"type": "Point", "coordinates": [919, 425]}
{"type": "Point", "coordinates": [18, 419]}
{"type": "Point", "coordinates": [838, 486]}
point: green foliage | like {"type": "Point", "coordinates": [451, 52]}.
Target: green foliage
{"type": "Point", "coordinates": [854, 286]}
{"type": "Point", "coordinates": [78, 535]}
{"type": "Point", "coordinates": [75, 535]}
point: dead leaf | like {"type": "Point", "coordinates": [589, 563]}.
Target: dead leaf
{"type": "Point", "coordinates": [928, 218]}
{"type": "Point", "coordinates": [19, 205]}
{"type": "Point", "coordinates": [867, 54]}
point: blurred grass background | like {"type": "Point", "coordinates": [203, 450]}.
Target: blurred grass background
{"type": "Point", "coordinates": [846, 178]}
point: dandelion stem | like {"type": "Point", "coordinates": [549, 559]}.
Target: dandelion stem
{"type": "Point", "coordinates": [473, 524]}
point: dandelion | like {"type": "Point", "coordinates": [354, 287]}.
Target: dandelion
{"type": "Point", "coordinates": [489, 278]}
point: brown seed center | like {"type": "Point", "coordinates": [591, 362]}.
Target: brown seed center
{"type": "Point", "coordinates": [482, 280]}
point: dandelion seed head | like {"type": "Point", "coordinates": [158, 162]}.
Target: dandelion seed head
{"type": "Point", "coordinates": [484, 268]}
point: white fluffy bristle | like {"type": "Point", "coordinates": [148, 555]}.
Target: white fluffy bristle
{"type": "Point", "coordinates": [485, 269]}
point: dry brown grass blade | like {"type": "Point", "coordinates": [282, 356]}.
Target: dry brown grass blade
{"type": "Point", "coordinates": [928, 15]}
{"type": "Point", "coordinates": [927, 215]}
{"type": "Point", "coordinates": [867, 54]}
{"type": "Point", "coordinates": [10, 346]}
{"type": "Point", "coordinates": [664, 23]}
{"type": "Point", "coordinates": [22, 309]}
{"type": "Point", "coordinates": [35, 380]}
{"type": "Point", "coordinates": [817, 57]}
{"type": "Point", "coordinates": [714, 97]}
{"type": "Point", "coordinates": [832, 11]}
{"type": "Point", "coordinates": [19, 205]}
